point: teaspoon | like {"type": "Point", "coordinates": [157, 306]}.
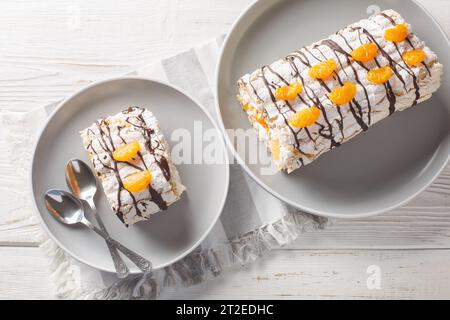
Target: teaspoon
{"type": "Point", "coordinates": [69, 210]}
{"type": "Point", "coordinates": [82, 183]}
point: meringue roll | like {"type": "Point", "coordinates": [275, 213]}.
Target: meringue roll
{"type": "Point", "coordinates": [322, 95]}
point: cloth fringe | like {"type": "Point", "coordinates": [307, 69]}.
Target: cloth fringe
{"type": "Point", "coordinates": [191, 270]}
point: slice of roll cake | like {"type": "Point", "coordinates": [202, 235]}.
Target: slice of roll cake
{"type": "Point", "coordinates": [131, 158]}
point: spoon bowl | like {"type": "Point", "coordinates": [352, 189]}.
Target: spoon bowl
{"type": "Point", "coordinates": [64, 206]}
{"type": "Point", "coordinates": [81, 179]}
{"type": "Point", "coordinates": [69, 210]}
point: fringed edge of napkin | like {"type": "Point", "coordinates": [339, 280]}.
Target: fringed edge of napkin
{"type": "Point", "coordinates": [199, 265]}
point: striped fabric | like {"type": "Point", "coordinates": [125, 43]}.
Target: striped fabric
{"type": "Point", "coordinates": [251, 223]}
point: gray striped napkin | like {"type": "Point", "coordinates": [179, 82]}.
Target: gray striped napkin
{"type": "Point", "coordinates": [252, 222]}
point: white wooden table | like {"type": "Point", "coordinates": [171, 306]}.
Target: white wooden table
{"type": "Point", "coordinates": [50, 48]}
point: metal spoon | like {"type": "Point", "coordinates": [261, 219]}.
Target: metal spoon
{"type": "Point", "coordinates": [81, 181]}
{"type": "Point", "coordinates": [69, 210]}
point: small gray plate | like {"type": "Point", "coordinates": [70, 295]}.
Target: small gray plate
{"type": "Point", "coordinates": [376, 171]}
{"type": "Point", "coordinates": [167, 236]}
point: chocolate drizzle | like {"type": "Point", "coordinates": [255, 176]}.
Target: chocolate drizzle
{"type": "Point", "coordinates": [309, 97]}
{"type": "Point", "coordinates": [159, 159]}
{"type": "Point", "coordinates": [106, 143]}
{"type": "Point", "coordinates": [274, 101]}
{"type": "Point", "coordinates": [391, 20]}
{"type": "Point", "coordinates": [408, 40]}
{"type": "Point", "coordinates": [338, 49]}
{"type": "Point", "coordinates": [387, 86]}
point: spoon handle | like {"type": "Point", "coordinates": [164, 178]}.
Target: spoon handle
{"type": "Point", "coordinates": [142, 263]}
{"type": "Point", "coordinates": [122, 270]}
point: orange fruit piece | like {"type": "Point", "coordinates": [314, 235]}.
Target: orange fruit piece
{"type": "Point", "coordinates": [414, 57]}
{"type": "Point", "coordinates": [137, 181]}
{"type": "Point", "coordinates": [262, 122]}
{"type": "Point", "coordinates": [379, 75]}
{"type": "Point", "coordinates": [305, 117]}
{"type": "Point", "coordinates": [396, 34]}
{"type": "Point", "coordinates": [247, 107]}
{"type": "Point", "coordinates": [288, 92]}
{"type": "Point", "coordinates": [323, 70]}
{"type": "Point", "coordinates": [275, 147]}
{"type": "Point", "coordinates": [127, 151]}
{"type": "Point", "coordinates": [344, 94]}
{"type": "Point", "coordinates": [365, 53]}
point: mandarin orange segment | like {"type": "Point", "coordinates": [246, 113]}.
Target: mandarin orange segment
{"type": "Point", "coordinates": [305, 117]}
{"type": "Point", "coordinates": [323, 70]}
{"type": "Point", "coordinates": [275, 148]}
{"type": "Point", "coordinates": [365, 53]}
{"type": "Point", "coordinates": [379, 75]}
{"type": "Point", "coordinates": [261, 121]}
{"type": "Point", "coordinates": [288, 92]}
{"type": "Point", "coordinates": [344, 94]}
{"type": "Point", "coordinates": [127, 151]}
{"type": "Point", "coordinates": [396, 34]}
{"type": "Point", "coordinates": [138, 181]}
{"type": "Point", "coordinates": [414, 57]}
{"type": "Point", "coordinates": [247, 107]}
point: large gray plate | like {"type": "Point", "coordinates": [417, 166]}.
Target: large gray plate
{"type": "Point", "coordinates": [376, 171]}
{"type": "Point", "coordinates": [169, 235]}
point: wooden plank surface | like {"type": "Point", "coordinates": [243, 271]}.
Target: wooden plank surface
{"type": "Point", "coordinates": [49, 49]}
{"type": "Point", "coordinates": [24, 274]}
{"type": "Point", "coordinates": [283, 274]}
{"type": "Point", "coordinates": [333, 274]}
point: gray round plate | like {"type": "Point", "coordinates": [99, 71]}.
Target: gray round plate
{"type": "Point", "coordinates": [376, 171]}
{"type": "Point", "coordinates": [167, 236]}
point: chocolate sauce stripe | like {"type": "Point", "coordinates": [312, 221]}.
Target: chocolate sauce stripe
{"type": "Point", "coordinates": [285, 82]}
{"type": "Point", "coordinates": [313, 97]}
{"type": "Point", "coordinates": [104, 147]}
{"type": "Point", "coordinates": [104, 138]}
{"type": "Point", "coordinates": [394, 64]}
{"type": "Point", "coordinates": [306, 62]}
{"type": "Point", "coordinates": [116, 169]}
{"type": "Point", "coordinates": [155, 196]}
{"type": "Point", "coordinates": [274, 101]}
{"type": "Point", "coordinates": [302, 55]}
{"type": "Point", "coordinates": [391, 20]}
{"type": "Point", "coordinates": [118, 212]}
{"type": "Point", "coordinates": [313, 55]}
{"type": "Point", "coordinates": [408, 40]}
{"type": "Point", "coordinates": [335, 47]}
{"type": "Point", "coordinates": [357, 118]}
{"type": "Point", "coordinates": [416, 85]}
{"type": "Point", "coordinates": [389, 92]}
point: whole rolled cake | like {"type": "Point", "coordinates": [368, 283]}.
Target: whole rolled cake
{"type": "Point", "coordinates": [132, 160]}
{"type": "Point", "coordinates": [322, 95]}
